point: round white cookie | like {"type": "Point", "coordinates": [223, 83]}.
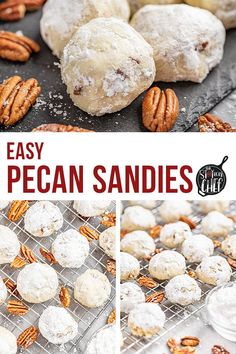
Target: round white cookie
{"type": "Point", "coordinates": [171, 210]}
{"type": "Point", "coordinates": [225, 10]}
{"type": "Point", "coordinates": [138, 243]}
{"type": "Point", "coordinates": [229, 246]}
{"type": "Point", "coordinates": [92, 288]}
{"type": "Point", "coordinates": [174, 234]}
{"type": "Point", "coordinates": [3, 292]}
{"type": "Point", "coordinates": [43, 219]}
{"type": "Point", "coordinates": [214, 270]}
{"type": "Point", "coordinates": [148, 204]}
{"type": "Point", "coordinates": [4, 204]}
{"type": "Point", "coordinates": [103, 341]}
{"type": "Point", "coordinates": [183, 290]}
{"type": "Point", "coordinates": [130, 295]}
{"type": "Point", "coordinates": [166, 265]}
{"type": "Point", "coordinates": [216, 224]}
{"type": "Point", "coordinates": [37, 283]}
{"type": "Point", "coordinates": [129, 266]}
{"type": "Point", "coordinates": [89, 208]}
{"type": "Point", "coordinates": [137, 218]}
{"type": "Point", "coordinates": [197, 247]}
{"type": "Point", "coordinates": [146, 320]}
{"type": "Point", "coordinates": [137, 4]}
{"type": "Point", "coordinates": [183, 50]}
{"type": "Point", "coordinates": [70, 249]}
{"type": "Point", "coordinates": [107, 240]}
{"type": "Point", "coordinates": [8, 344]}
{"type": "Point", "coordinates": [61, 19]}
{"type": "Point", "coordinates": [9, 245]}
{"type": "Point", "coordinates": [206, 206]}
{"type": "Point", "coordinates": [106, 66]}
{"type": "Point", "coordinates": [57, 325]}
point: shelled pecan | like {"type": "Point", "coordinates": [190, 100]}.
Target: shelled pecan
{"type": "Point", "coordinates": [48, 255]}
{"type": "Point", "coordinates": [156, 297]}
{"type": "Point", "coordinates": [11, 286]}
{"type": "Point", "coordinates": [155, 231]}
{"type": "Point", "coordinates": [109, 219]}
{"type": "Point", "coordinates": [12, 10]}
{"type": "Point", "coordinates": [17, 308]}
{"type": "Point", "coordinates": [232, 262]}
{"type": "Point", "coordinates": [89, 233]}
{"type": "Point", "coordinates": [147, 282]}
{"type": "Point", "coordinates": [112, 317]}
{"type": "Point", "coordinates": [218, 349]}
{"type": "Point", "coordinates": [60, 128]}
{"type": "Point", "coordinates": [16, 98]}
{"type": "Point", "coordinates": [64, 296]}
{"type": "Point", "coordinates": [28, 337]}
{"type": "Point", "coordinates": [190, 341]}
{"type": "Point", "coordinates": [111, 267]}
{"type": "Point", "coordinates": [160, 109]}
{"type": "Point", "coordinates": [17, 209]}
{"type": "Point", "coordinates": [18, 263]}
{"type": "Point", "coordinates": [188, 221]}
{"type": "Point", "coordinates": [28, 254]}
{"type": "Point", "coordinates": [211, 123]}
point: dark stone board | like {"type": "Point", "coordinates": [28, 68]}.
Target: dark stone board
{"type": "Point", "coordinates": [55, 106]}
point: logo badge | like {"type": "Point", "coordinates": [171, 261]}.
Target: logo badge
{"type": "Point", "coordinates": [211, 179]}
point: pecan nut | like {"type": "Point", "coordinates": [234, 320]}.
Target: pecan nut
{"type": "Point", "coordinates": [11, 286]}
{"type": "Point", "coordinates": [231, 262]}
{"type": "Point", "coordinates": [16, 98]}
{"type": "Point", "coordinates": [89, 233]}
{"type": "Point", "coordinates": [60, 128]}
{"type": "Point", "coordinates": [218, 349]}
{"type": "Point", "coordinates": [109, 219]}
{"type": "Point", "coordinates": [217, 244]}
{"type": "Point", "coordinates": [48, 255]}
{"type": "Point", "coordinates": [17, 308]}
{"type": "Point", "coordinates": [156, 297]}
{"type": "Point", "coordinates": [12, 10]}
{"type": "Point", "coordinates": [147, 282]}
{"type": "Point", "coordinates": [188, 221]}
{"type": "Point", "coordinates": [112, 317]}
{"type": "Point", "coordinates": [111, 267]}
{"type": "Point", "coordinates": [160, 109]}
{"type": "Point", "coordinates": [15, 47]}
{"type": "Point", "coordinates": [211, 123]}
{"type": "Point", "coordinates": [28, 337]}
{"type": "Point", "coordinates": [64, 296]}
{"type": "Point", "coordinates": [17, 209]}
{"type": "Point", "coordinates": [18, 263]}
{"type": "Point", "coordinates": [28, 254]}
{"type": "Point", "coordinates": [190, 341]}
{"type": "Point", "coordinates": [155, 231]}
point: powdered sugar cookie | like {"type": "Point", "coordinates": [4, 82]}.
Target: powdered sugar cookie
{"type": "Point", "coordinates": [137, 218]}
{"type": "Point", "coordinates": [92, 288]}
{"type": "Point", "coordinates": [88, 208]}
{"type": "Point", "coordinates": [70, 249]}
{"type": "Point", "coordinates": [129, 266]}
{"type": "Point", "coordinates": [148, 204]}
{"type": "Point", "coordinates": [43, 219]}
{"type": "Point", "coordinates": [107, 240]}
{"type": "Point", "coordinates": [172, 210]}
{"type": "Point", "coordinates": [3, 292]}
{"type": "Point", "coordinates": [183, 290]}
{"type": "Point", "coordinates": [9, 245]}
{"type": "Point", "coordinates": [174, 234]}
{"type": "Point", "coordinates": [4, 204]}
{"type": "Point", "coordinates": [103, 341]}
{"type": "Point", "coordinates": [197, 247]}
{"type": "Point", "coordinates": [183, 50]}
{"type": "Point", "coordinates": [138, 243]}
{"type": "Point", "coordinates": [106, 65]}
{"type": "Point", "coordinates": [166, 265]}
{"type": "Point", "coordinates": [214, 270]}
{"type": "Point", "coordinates": [229, 246]}
{"type": "Point", "coordinates": [57, 325]}
{"type": "Point", "coordinates": [37, 283]}
{"type": "Point", "coordinates": [146, 320]}
{"type": "Point", "coordinates": [216, 225]}
{"type": "Point", "coordinates": [209, 205]}
{"type": "Point", "coordinates": [61, 19]}
{"type": "Point", "coordinates": [130, 296]}
{"type": "Point", "coordinates": [8, 343]}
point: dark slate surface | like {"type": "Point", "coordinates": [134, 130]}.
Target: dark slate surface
{"type": "Point", "coordinates": [55, 106]}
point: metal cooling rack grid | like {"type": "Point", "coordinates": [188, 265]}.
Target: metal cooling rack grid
{"type": "Point", "coordinates": [89, 320]}
{"type": "Point", "coordinates": [175, 314]}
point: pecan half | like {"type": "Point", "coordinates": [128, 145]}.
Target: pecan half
{"type": "Point", "coordinates": [111, 267]}
{"type": "Point", "coordinates": [17, 308]}
{"type": "Point", "coordinates": [190, 341]}
{"type": "Point", "coordinates": [160, 109]}
{"type": "Point", "coordinates": [184, 350]}
{"type": "Point", "coordinates": [172, 343]}
{"type": "Point", "coordinates": [112, 317]}
{"type": "Point", "coordinates": [210, 123]}
{"type": "Point", "coordinates": [217, 244]}
{"type": "Point", "coordinates": [231, 262]}
{"type": "Point", "coordinates": [15, 47]}
{"type": "Point", "coordinates": [16, 98]}
{"type": "Point", "coordinates": [218, 349]}
{"type": "Point", "coordinates": [60, 128]}
{"type": "Point", "coordinates": [28, 337]}
{"type": "Point", "coordinates": [12, 10]}
{"type": "Point", "coordinates": [17, 209]}
{"type": "Point", "coordinates": [64, 296]}
{"type": "Point", "coordinates": [108, 219]}
{"type": "Point", "coordinates": [89, 233]}
{"type": "Point", "coordinates": [188, 221]}
{"type": "Point", "coordinates": [156, 297]}
{"type": "Point", "coordinates": [28, 254]}
{"type": "Point", "coordinates": [155, 231]}
{"type": "Point", "coordinates": [48, 255]}
{"type": "Point", "coordinates": [147, 282]}
{"type": "Point", "coordinates": [18, 263]}
{"type": "Point", "coordinates": [11, 286]}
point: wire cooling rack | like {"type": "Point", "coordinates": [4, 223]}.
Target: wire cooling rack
{"type": "Point", "coordinates": [89, 320]}
{"type": "Point", "coordinates": [175, 314]}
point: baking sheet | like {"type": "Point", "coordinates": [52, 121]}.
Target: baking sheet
{"type": "Point", "coordinates": [55, 106]}
{"type": "Point", "coordinates": [89, 320]}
